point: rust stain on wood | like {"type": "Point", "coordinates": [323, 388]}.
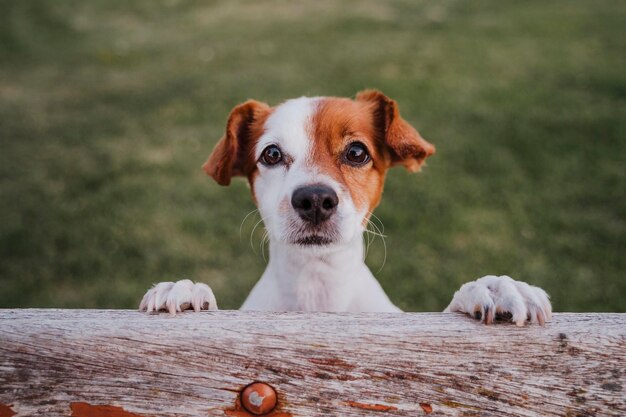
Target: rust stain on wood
{"type": "Point", "coordinates": [239, 411]}
{"type": "Point", "coordinates": [244, 413]}
{"type": "Point", "coordinates": [81, 409]}
{"type": "Point", "coordinates": [426, 407]}
{"type": "Point", "coordinates": [374, 407]}
{"type": "Point", "coordinates": [6, 410]}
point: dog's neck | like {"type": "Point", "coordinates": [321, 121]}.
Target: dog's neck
{"type": "Point", "coordinates": [316, 279]}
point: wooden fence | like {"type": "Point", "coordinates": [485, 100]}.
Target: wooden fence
{"type": "Point", "coordinates": [105, 363]}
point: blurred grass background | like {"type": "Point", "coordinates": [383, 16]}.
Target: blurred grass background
{"type": "Point", "coordinates": [109, 108]}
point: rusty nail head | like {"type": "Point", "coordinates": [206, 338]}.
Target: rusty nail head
{"type": "Point", "coordinates": [259, 398]}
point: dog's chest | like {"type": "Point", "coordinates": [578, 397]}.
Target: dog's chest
{"type": "Point", "coordinates": [319, 288]}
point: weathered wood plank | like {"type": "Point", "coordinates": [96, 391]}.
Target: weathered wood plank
{"type": "Point", "coordinates": [88, 362]}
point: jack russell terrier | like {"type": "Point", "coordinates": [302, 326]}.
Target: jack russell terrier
{"type": "Point", "coordinates": [316, 168]}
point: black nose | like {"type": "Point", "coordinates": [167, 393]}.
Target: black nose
{"type": "Point", "coordinates": [315, 203]}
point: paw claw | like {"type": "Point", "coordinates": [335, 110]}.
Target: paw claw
{"type": "Point", "coordinates": [488, 315]}
{"type": "Point", "coordinates": [541, 318]}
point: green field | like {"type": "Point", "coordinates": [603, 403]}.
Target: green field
{"type": "Point", "coordinates": [109, 108]}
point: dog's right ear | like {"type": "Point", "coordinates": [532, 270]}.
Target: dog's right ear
{"type": "Point", "coordinates": [405, 144]}
{"type": "Point", "coordinates": [232, 154]}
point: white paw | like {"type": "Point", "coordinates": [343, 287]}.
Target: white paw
{"type": "Point", "coordinates": [178, 296]}
{"type": "Point", "coordinates": [502, 298]}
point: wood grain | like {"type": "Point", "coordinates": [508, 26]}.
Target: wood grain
{"type": "Point", "coordinates": [125, 363]}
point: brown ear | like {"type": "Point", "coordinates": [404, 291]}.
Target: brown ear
{"type": "Point", "coordinates": [405, 144]}
{"type": "Point", "coordinates": [232, 154]}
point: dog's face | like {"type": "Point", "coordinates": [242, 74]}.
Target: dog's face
{"type": "Point", "coordinates": [316, 166]}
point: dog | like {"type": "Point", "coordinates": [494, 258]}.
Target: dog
{"type": "Point", "coordinates": [316, 168]}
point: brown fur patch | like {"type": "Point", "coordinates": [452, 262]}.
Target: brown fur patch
{"type": "Point", "coordinates": [337, 123]}
{"type": "Point", "coordinates": [233, 155]}
{"type": "Point", "coordinates": [405, 144]}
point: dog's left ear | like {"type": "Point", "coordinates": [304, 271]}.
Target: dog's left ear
{"type": "Point", "coordinates": [405, 144]}
{"type": "Point", "coordinates": [232, 154]}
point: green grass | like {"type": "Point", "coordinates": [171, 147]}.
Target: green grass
{"type": "Point", "coordinates": [109, 108]}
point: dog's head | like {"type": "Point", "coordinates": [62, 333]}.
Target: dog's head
{"type": "Point", "coordinates": [316, 166]}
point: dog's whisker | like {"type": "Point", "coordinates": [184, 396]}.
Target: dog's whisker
{"type": "Point", "coordinates": [252, 234]}
{"type": "Point", "coordinates": [264, 239]}
{"type": "Point", "coordinates": [244, 220]}
{"type": "Point", "coordinates": [367, 246]}
{"type": "Point", "coordinates": [378, 233]}
{"type": "Point", "coordinates": [385, 253]}
{"type": "Point", "coordinates": [378, 229]}
{"type": "Point", "coordinates": [375, 232]}
{"type": "Point", "coordinates": [369, 234]}
{"type": "Point", "coordinates": [382, 226]}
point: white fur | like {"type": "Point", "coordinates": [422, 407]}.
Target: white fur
{"type": "Point", "coordinates": [287, 128]}
{"type": "Point", "coordinates": [301, 279]}
{"type": "Point", "coordinates": [332, 277]}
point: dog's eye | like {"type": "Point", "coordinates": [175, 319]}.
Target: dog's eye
{"type": "Point", "coordinates": [356, 154]}
{"type": "Point", "coordinates": [271, 155]}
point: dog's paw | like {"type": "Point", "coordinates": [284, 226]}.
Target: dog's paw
{"type": "Point", "coordinates": [178, 296]}
{"type": "Point", "coordinates": [502, 298]}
